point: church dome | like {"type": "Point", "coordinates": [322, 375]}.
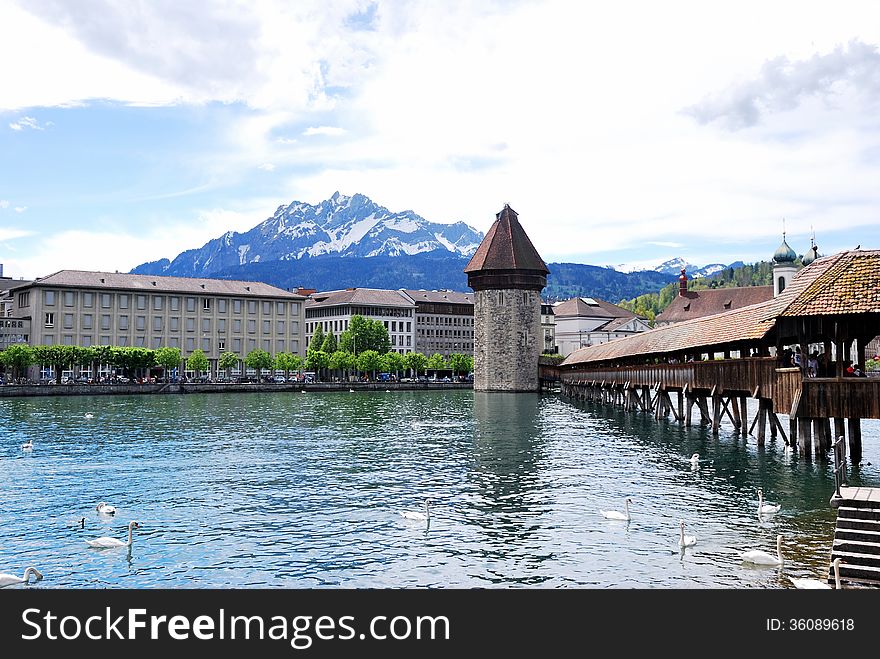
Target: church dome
{"type": "Point", "coordinates": [811, 255]}
{"type": "Point", "coordinates": [784, 253]}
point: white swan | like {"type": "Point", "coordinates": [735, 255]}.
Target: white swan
{"type": "Point", "coordinates": [10, 579]}
{"type": "Point", "coordinates": [409, 514]}
{"type": "Point", "coordinates": [614, 514]}
{"type": "Point", "coordinates": [89, 415]}
{"type": "Point", "coordinates": [761, 557]}
{"type": "Point", "coordinates": [766, 508]}
{"type": "Point", "coordinates": [685, 540]}
{"type": "Point", "coordinates": [695, 460]}
{"type": "Point", "coordinates": [104, 509]}
{"type": "Point", "coordinates": [818, 584]}
{"type": "Point", "coordinates": [28, 445]}
{"type": "Point", "coordinates": [106, 542]}
{"type": "Point", "coordinates": [351, 391]}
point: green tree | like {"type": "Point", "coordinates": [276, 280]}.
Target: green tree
{"type": "Point", "coordinates": [394, 362]}
{"type": "Point", "coordinates": [258, 360]}
{"type": "Point", "coordinates": [343, 362]}
{"type": "Point", "coordinates": [228, 361]}
{"type": "Point", "coordinates": [18, 357]}
{"type": "Point", "coordinates": [287, 362]}
{"type": "Point", "coordinates": [369, 361]}
{"type": "Point", "coordinates": [317, 341]}
{"type": "Point", "coordinates": [460, 363]}
{"type": "Point", "coordinates": [377, 337]}
{"type": "Point", "coordinates": [102, 355]}
{"type": "Point", "coordinates": [317, 361]}
{"type": "Point", "coordinates": [169, 359]}
{"type": "Point", "coordinates": [329, 345]}
{"type": "Point", "coordinates": [197, 361]}
{"type": "Point", "coordinates": [59, 357]}
{"type": "Point", "coordinates": [436, 362]}
{"type": "Point", "coordinates": [416, 362]}
{"type": "Point", "coordinates": [365, 334]}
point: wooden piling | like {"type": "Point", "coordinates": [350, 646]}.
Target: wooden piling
{"type": "Point", "coordinates": [855, 438]}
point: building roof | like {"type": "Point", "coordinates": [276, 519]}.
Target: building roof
{"type": "Point", "coordinates": [746, 324]}
{"type": "Point", "coordinates": [784, 253]}
{"type": "Point", "coordinates": [440, 297]}
{"type": "Point", "coordinates": [365, 296]}
{"type": "Point", "coordinates": [506, 247]}
{"type": "Point", "coordinates": [155, 283]}
{"type": "Point", "coordinates": [696, 304]}
{"type": "Point", "coordinates": [591, 308]}
{"type": "Point", "coordinates": [844, 283]}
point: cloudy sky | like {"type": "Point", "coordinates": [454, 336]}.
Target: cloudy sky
{"type": "Point", "coordinates": [622, 132]}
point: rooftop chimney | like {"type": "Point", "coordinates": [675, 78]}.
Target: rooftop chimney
{"type": "Point", "coordinates": [682, 284]}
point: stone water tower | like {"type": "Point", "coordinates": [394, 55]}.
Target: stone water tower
{"type": "Point", "coordinates": [507, 275]}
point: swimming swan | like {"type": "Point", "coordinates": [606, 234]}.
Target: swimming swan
{"type": "Point", "coordinates": [104, 509]}
{"type": "Point", "coordinates": [28, 445]}
{"type": "Point", "coordinates": [818, 584]}
{"type": "Point", "coordinates": [761, 557]}
{"type": "Point", "coordinates": [685, 540]}
{"type": "Point", "coordinates": [766, 508]}
{"type": "Point", "coordinates": [106, 542]}
{"type": "Point", "coordinates": [89, 415]}
{"type": "Point", "coordinates": [409, 514]}
{"type": "Point", "coordinates": [614, 514]}
{"type": "Point", "coordinates": [695, 460]}
{"type": "Point", "coordinates": [10, 579]}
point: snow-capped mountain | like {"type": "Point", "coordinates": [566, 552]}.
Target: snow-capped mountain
{"type": "Point", "coordinates": [339, 226]}
{"type": "Point", "coordinates": [674, 266]}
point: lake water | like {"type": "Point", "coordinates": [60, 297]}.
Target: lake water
{"type": "Point", "coordinates": [290, 490]}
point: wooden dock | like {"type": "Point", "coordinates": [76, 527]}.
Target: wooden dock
{"type": "Point", "coordinates": [857, 536]}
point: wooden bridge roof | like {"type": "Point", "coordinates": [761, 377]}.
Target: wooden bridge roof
{"type": "Point", "coordinates": [732, 327]}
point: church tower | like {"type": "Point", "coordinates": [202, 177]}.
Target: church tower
{"type": "Point", "coordinates": [507, 276]}
{"type": "Point", "coordinates": [784, 267]}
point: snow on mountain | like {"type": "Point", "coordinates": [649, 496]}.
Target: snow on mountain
{"type": "Point", "coordinates": [341, 225]}
{"type": "Point", "coordinates": [674, 266]}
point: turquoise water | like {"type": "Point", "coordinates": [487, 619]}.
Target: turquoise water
{"type": "Point", "coordinates": [290, 490]}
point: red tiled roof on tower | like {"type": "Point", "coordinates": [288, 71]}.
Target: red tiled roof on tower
{"type": "Point", "coordinates": [506, 257]}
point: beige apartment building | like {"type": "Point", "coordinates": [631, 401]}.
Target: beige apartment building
{"type": "Point", "coordinates": [73, 307]}
{"type": "Point", "coordinates": [444, 322]}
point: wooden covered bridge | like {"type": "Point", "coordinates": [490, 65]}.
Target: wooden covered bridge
{"type": "Point", "coordinates": [712, 366]}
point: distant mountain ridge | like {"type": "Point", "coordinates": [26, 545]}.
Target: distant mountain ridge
{"type": "Point", "coordinates": [342, 226]}
{"type": "Point", "coordinates": [674, 266]}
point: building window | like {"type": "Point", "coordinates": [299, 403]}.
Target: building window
{"type": "Point", "coordinates": [267, 345]}
{"type": "Point", "coordinates": [206, 304]}
{"type": "Point", "coordinates": [294, 308]}
{"type": "Point", "coordinates": [294, 346]}
{"type": "Point", "coordinates": [88, 300]}
{"type": "Point", "coordinates": [157, 323]}
{"type": "Point", "coordinates": [236, 306]}
{"type": "Point", "coordinates": [236, 345]}
{"type": "Point", "coordinates": [190, 324]}
{"type": "Point", "coordinates": [267, 326]}
{"type": "Point", "coordinates": [123, 301]}
{"type": "Point", "coordinates": [280, 327]}
{"type": "Point", "coordinates": [221, 344]}
{"type": "Point", "coordinates": [123, 341]}
{"type": "Point", "coordinates": [140, 323]}
{"type": "Point", "coordinates": [267, 308]}
{"type": "Point", "coordinates": [105, 300]}
{"type": "Point", "coordinates": [50, 320]}
{"type": "Point", "coordinates": [252, 326]}
{"type": "Point", "coordinates": [781, 284]}
{"type": "Point", "coordinates": [24, 299]}
{"type": "Point", "coordinates": [49, 298]}
{"type": "Point", "coordinates": [68, 339]}
{"type": "Point", "coordinates": [68, 321]}
{"type": "Point", "coordinates": [141, 302]}
{"type": "Point", "coordinates": [221, 325]}
{"type": "Point", "coordinates": [221, 306]}
{"type": "Point", "coordinates": [157, 342]}
{"type": "Point", "coordinates": [123, 323]}
{"type": "Point", "coordinates": [158, 302]}
{"type": "Point", "coordinates": [279, 308]}
{"type": "Point", "coordinates": [140, 342]}
{"type": "Point", "coordinates": [105, 339]}
{"type": "Point", "coordinates": [174, 302]}
{"type": "Point", "coordinates": [174, 323]}
{"type": "Point", "coordinates": [252, 344]}
{"type": "Point", "coordinates": [236, 325]}
{"type": "Point", "coordinates": [87, 321]}
{"type": "Point", "coordinates": [174, 342]}
{"type": "Point", "coordinates": [206, 345]}
{"type": "Point", "coordinates": [206, 324]}
{"type": "Point", "coordinates": [252, 306]}
{"type": "Point", "coordinates": [279, 346]}
{"type": "Point", "coordinates": [191, 304]}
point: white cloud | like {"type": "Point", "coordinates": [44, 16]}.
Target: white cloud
{"type": "Point", "coordinates": [20, 209]}
{"type": "Point", "coordinates": [4, 203]}
{"type": "Point", "coordinates": [324, 130]}
{"type": "Point", "coordinates": [267, 167]}
{"type": "Point", "coordinates": [12, 234]}
{"type": "Point", "coordinates": [27, 122]}
{"type": "Point", "coordinates": [286, 140]}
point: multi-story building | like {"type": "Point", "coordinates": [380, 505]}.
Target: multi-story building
{"type": "Point", "coordinates": [586, 321]}
{"type": "Point", "coordinates": [332, 310]}
{"type": "Point", "coordinates": [548, 328]}
{"type": "Point", "coordinates": [73, 307]}
{"type": "Point", "coordinates": [444, 322]}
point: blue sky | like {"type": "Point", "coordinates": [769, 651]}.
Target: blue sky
{"type": "Point", "coordinates": [629, 134]}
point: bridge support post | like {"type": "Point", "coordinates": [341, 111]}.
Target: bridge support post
{"type": "Point", "coordinates": [737, 421]}
{"type": "Point", "coordinates": [805, 447]}
{"type": "Point", "coordinates": [744, 414]}
{"type": "Point", "coordinates": [819, 439]}
{"type": "Point", "coordinates": [855, 439]}
{"type": "Point", "coordinates": [680, 408]}
{"type": "Point", "coordinates": [716, 413]}
{"type": "Point", "coordinates": [762, 421]}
